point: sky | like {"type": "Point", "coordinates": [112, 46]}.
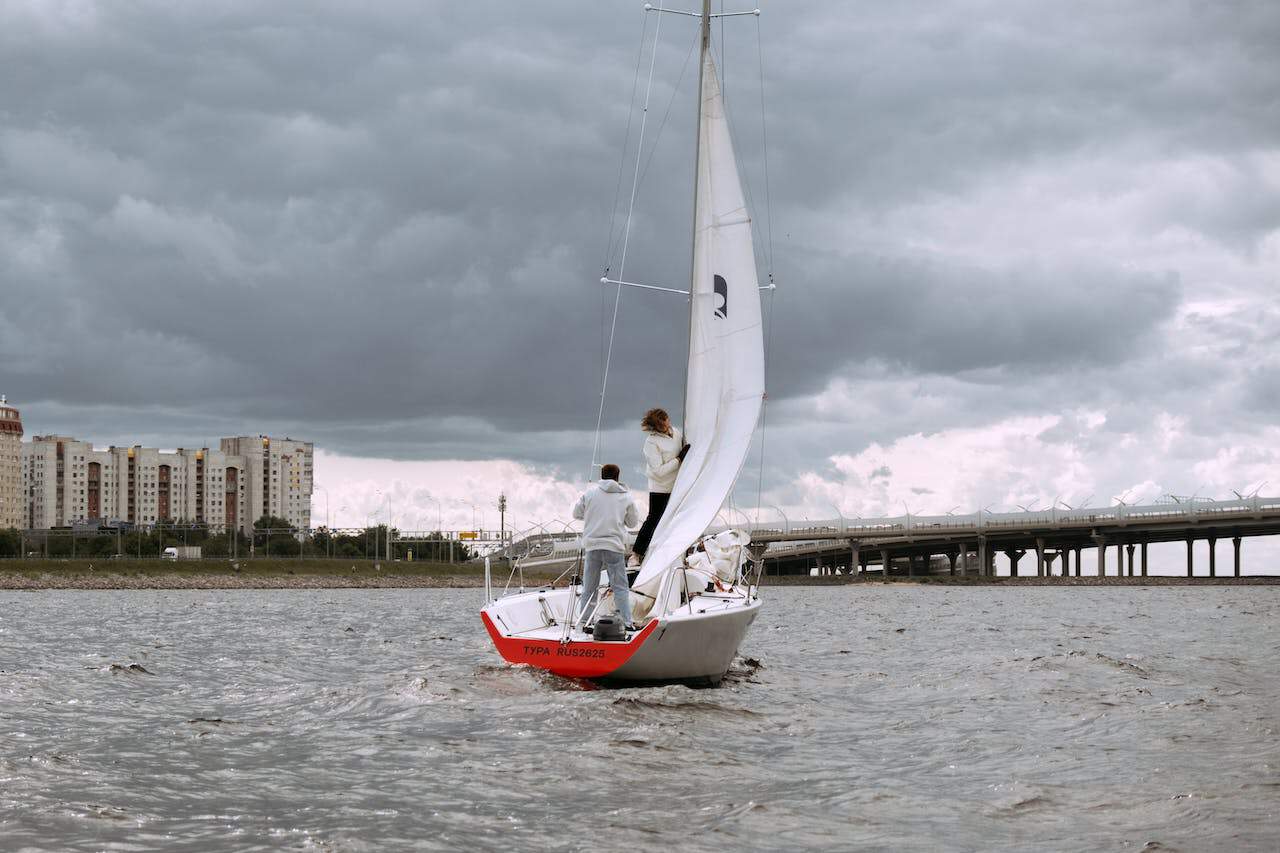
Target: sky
{"type": "Point", "coordinates": [1026, 252]}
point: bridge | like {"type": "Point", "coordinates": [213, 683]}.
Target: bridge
{"type": "Point", "coordinates": [1055, 539]}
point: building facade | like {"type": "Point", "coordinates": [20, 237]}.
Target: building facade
{"type": "Point", "coordinates": [278, 476]}
{"type": "Point", "coordinates": [12, 505]}
{"type": "Point", "coordinates": [69, 482]}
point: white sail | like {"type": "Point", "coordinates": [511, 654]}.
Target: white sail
{"type": "Point", "coordinates": [726, 346]}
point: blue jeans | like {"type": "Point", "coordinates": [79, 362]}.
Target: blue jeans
{"type": "Point", "coordinates": [615, 562]}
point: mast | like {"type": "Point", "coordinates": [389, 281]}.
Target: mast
{"type": "Point", "coordinates": [705, 42]}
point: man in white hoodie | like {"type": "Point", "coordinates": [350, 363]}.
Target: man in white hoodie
{"type": "Point", "coordinates": [606, 511]}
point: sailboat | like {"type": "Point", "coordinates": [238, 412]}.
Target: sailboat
{"type": "Point", "coordinates": [694, 597]}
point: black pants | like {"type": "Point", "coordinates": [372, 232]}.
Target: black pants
{"type": "Point", "coordinates": [657, 506]}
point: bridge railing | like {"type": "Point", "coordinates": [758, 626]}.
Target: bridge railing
{"type": "Point", "coordinates": [764, 526]}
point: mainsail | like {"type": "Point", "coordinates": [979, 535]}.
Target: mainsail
{"type": "Point", "coordinates": [726, 346]}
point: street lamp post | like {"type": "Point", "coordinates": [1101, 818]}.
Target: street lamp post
{"type": "Point", "coordinates": [502, 518]}
{"type": "Point", "coordinates": [388, 528]}
{"type": "Point", "coordinates": [439, 513]}
{"type": "Point", "coordinates": [328, 528]}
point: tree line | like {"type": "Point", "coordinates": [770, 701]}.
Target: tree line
{"type": "Point", "coordinates": [271, 537]}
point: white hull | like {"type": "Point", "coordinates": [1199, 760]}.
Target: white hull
{"type": "Point", "coordinates": [695, 643]}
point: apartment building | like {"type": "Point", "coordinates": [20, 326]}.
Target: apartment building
{"type": "Point", "coordinates": [278, 476]}
{"type": "Point", "coordinates": [67, 481]}
{"type": "Point", "coordinates": [12, 505]}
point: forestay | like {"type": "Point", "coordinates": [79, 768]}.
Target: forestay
{"type": "Point", "coordinates": [726, 348]}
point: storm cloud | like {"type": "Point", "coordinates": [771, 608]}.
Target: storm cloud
{"type": "Point", "coordinates": [382, 226]}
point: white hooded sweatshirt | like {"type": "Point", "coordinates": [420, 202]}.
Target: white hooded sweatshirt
{"type": "Point", "coordinates": [606, 511]}
{"type": "Point", "coordinates": [662, 459]}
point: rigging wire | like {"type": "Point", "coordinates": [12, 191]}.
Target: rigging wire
{"type": "Point", "coordinates": [764, 142]}
{"type": "Point", "coordinates": [626, 232]}
{"type": "Point", "coordinates": [626, 142]}
{"type": "Point", "coordinates": [768, 345]}
{"type": "Point", "coordinates": [653, 147]}
{"type": "Point", "coordinates": [724, 59]}
{"type": "Point", "coordinates": [617, 188]}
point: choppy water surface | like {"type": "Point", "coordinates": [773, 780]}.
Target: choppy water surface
{"type": "Point", "coordinates": [896, 717]}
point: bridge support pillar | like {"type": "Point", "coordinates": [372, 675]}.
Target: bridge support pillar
{"type": "Point", "coordinates": [1014, 555]}
{"type": "Point", "coordinates": [1078, 566]}
{"type": "Point", "coordinates": [855, 556]}
{"type": "Point", "coordinates": [1119, 560]}
{"type": "Point", "coordinates": [1213, 556]}
{"type": "Point", "coordinates": [1039, 558]}
{"type": "Point", "coordinates": [1049, 557]}
{"type": "Point", "coordinates": [952, 555]}
{"type": "Point", "coordinates": [1144, 559]}
{"type": "Point", "coordinates": [885, 562]}
{"type": "Point", "coordinates": [1102, 556]}
{"type": "Point", "coordinates": [1130, 548]}
{"type": "Point", "coordinates": [1235, 546]}
{"type": "Point", "coordinates": [983, 563]}
{"type": "Point", "coordinates": [1190, 558]}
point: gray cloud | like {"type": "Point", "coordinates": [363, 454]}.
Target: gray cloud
{"type": "Point", "coordinates": [381, 227]}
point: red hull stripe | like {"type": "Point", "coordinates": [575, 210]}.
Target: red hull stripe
{"type": "Point", "coordinates": [576, 659]}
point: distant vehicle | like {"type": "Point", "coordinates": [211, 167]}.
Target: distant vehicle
{"type": "Point", "coordinates": [181, 552]}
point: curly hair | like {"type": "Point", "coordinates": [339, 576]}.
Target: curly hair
{"type": "Point", "coordinates": [652, 420]}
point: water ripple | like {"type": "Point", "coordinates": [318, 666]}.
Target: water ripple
{"type": "Point", "coordinates": [900, 718]}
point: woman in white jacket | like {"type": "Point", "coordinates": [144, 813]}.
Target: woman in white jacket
{"type": "Point", "coordinates": [664, 450]}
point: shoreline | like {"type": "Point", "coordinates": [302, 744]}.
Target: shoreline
{"type": "Point", "coordinates": [166, 579]}
{"type": "Point", "coordinates": [268, 573]}
{"type": "Point", "coordinates": [20, 581]}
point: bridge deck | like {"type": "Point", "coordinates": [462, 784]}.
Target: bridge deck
{"type": "Point", "coordinates": [1046, 533]}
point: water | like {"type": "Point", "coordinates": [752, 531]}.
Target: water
{"type": "Point", "coordinates": [895, 718]}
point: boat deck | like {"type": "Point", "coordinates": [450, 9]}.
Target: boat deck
{"type": "Point", "coordinates": [553, 627]}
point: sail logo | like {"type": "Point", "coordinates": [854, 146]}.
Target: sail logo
{"type": "Point", "coordinates": [722, 298]}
